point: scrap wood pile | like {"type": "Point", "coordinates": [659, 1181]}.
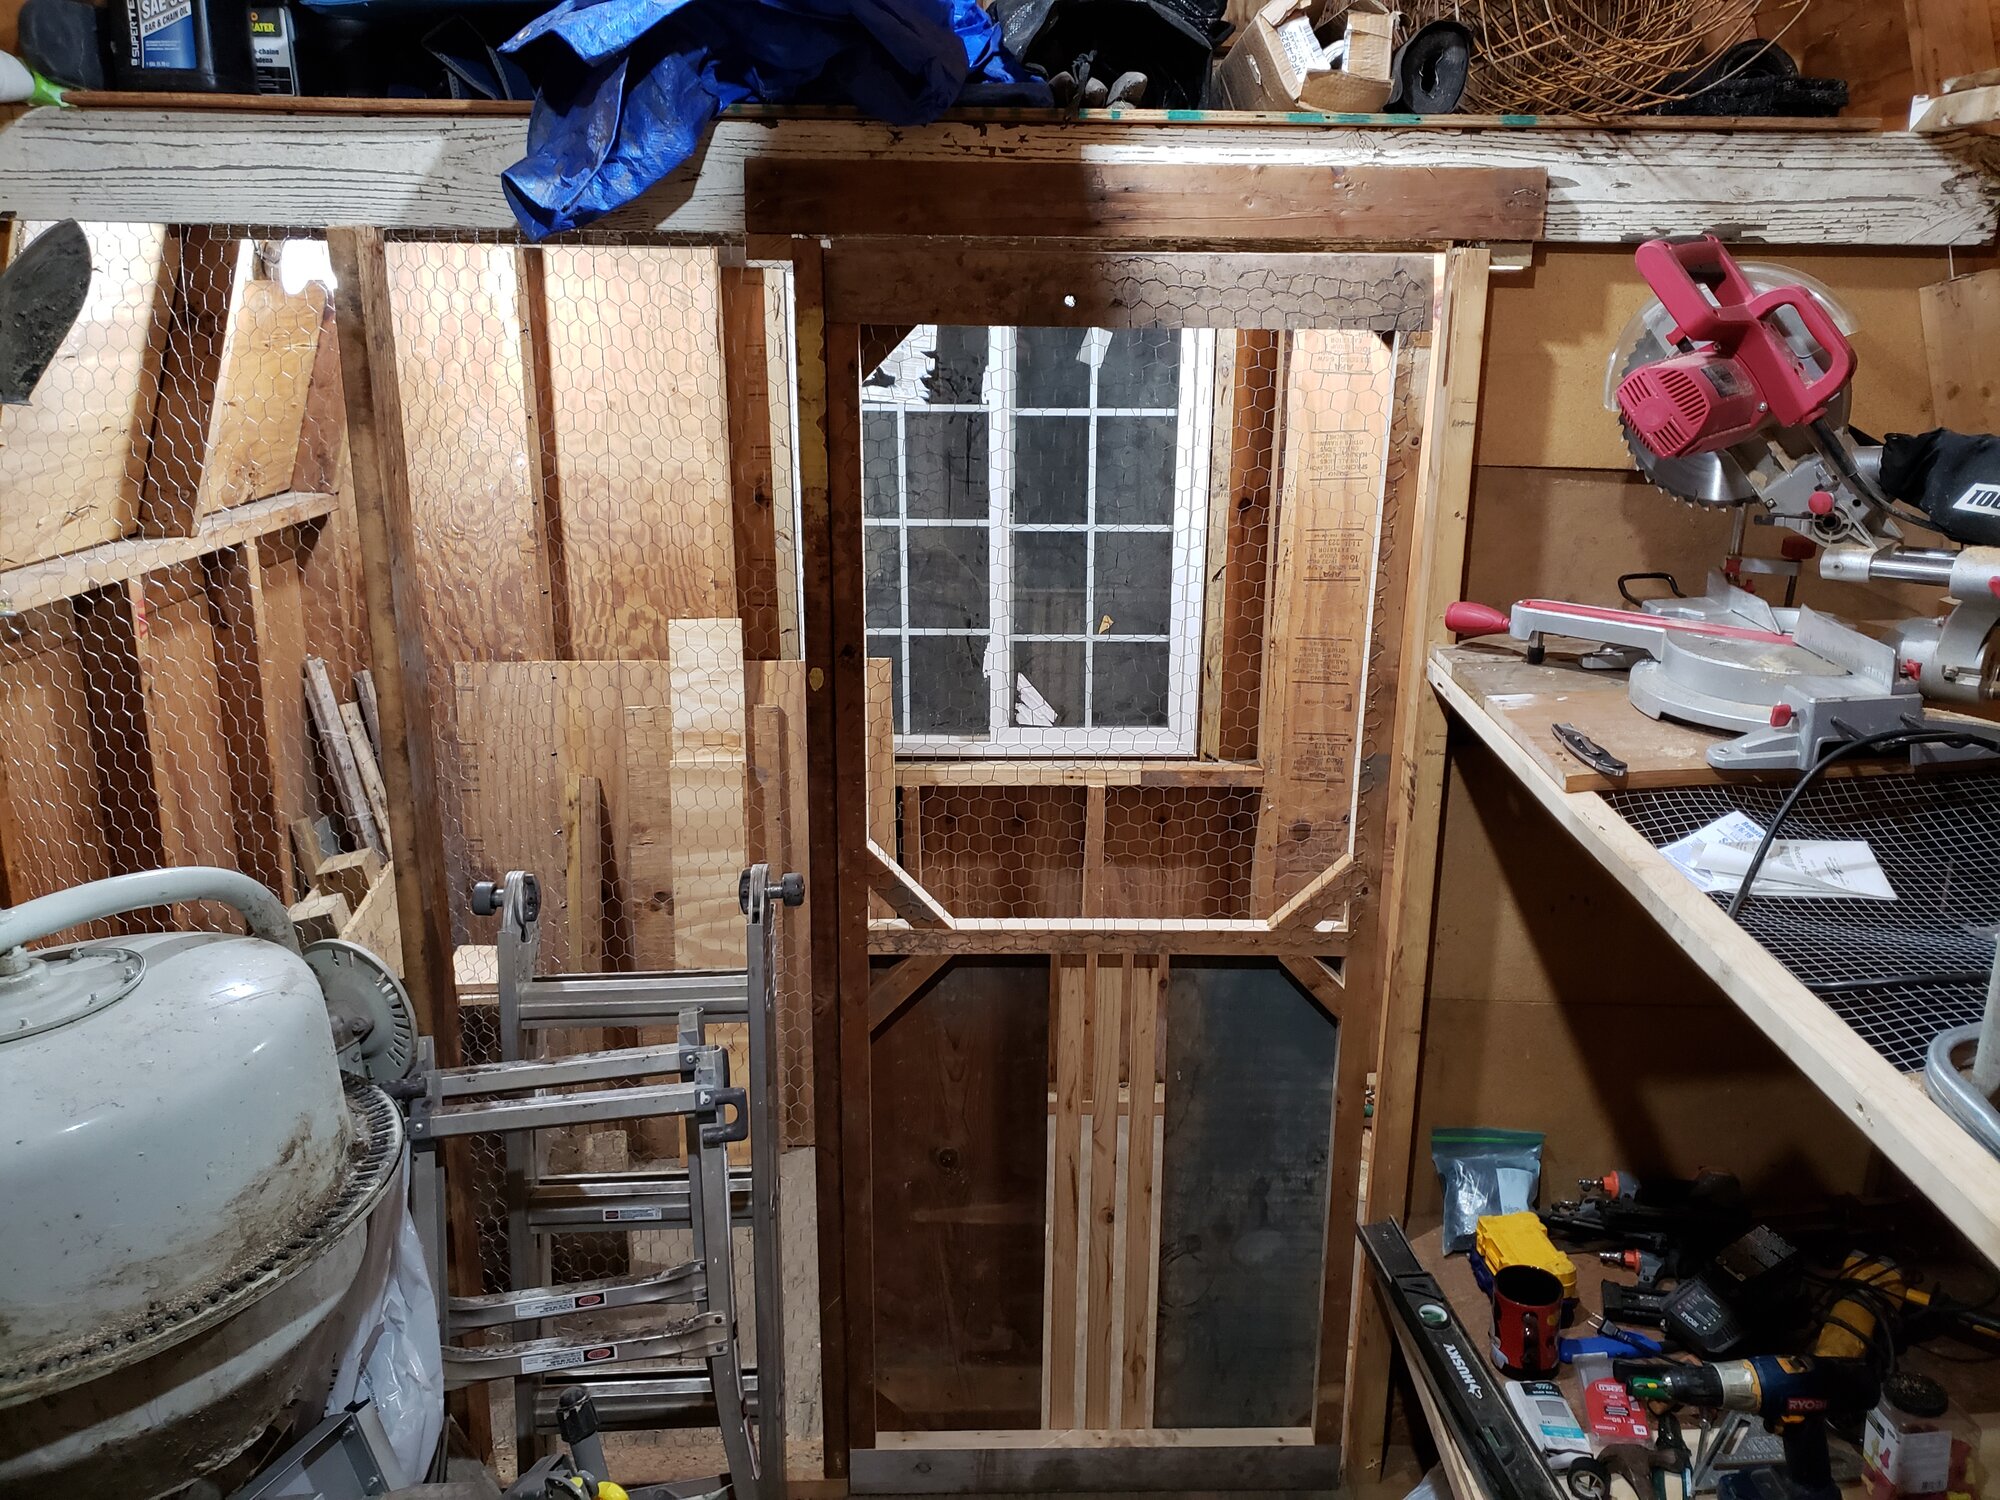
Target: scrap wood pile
{"type": "Point", "coordinates": [351, 891]}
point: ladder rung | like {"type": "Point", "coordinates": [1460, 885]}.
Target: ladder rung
{"type": "Point", "coordinates": [697, 1337]}
{"type": "Point", "coordinates": [639, 1398]}
{"type": "Point", "coordinates": [590, 1108]}
{"type": "Point", "coordinates": [564, 1000]}
{"type": "Point", "coordinates": [616, 1202]}
{"type": "Point", "coordinates": [677, 1283]}
{"type": "Point", "coordinates": [560, 1072]}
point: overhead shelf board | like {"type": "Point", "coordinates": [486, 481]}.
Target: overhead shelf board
{"type": "Point", "coordinates": [407, 171]}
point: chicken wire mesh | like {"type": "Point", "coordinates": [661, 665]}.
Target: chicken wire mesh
{"type": "Point", "coordinates": [180, 623]}
{"type": "Point", "coordinates": [1120, 587]}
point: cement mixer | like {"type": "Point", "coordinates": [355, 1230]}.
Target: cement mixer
{"type": "Point", "coordinates": [202, 1176]}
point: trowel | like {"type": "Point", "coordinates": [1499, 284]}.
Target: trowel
{"type": "Point", "coordinates": [41, 292]}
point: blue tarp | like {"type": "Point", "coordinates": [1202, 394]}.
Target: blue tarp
{"type": "Point", "coordinates": [627, 88]}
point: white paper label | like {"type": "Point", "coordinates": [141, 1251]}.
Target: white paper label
{"type": "Point", "coordinates": [631, 1215]}
{"type": "Point", "coordinates": [1302, 48]}
{"type": "Point", "coordinates": [568, 1359]}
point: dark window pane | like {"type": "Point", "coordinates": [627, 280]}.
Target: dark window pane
{"type": "Point", "coordinates": [1134, 583]}
{"type": "Point", "coordinates": [1135, 471]}
{"type": "Point", "coordinates": [947, 465]}
{"type": "Point", "coordinates": [948, 577]}
{"type": "Point", "coordinates": [1047, 371]}
{"type": "Point", "coordinates": [948, 685]}
{"type": "Point", "coordinates": [1141, 368]}
{"type": "Point", "coordinates": [1054, 670]}
{"type": "Point", "coordinates": [1050, 454]}
{"type": "Point", "coordinates": [1048, 582]}
{"type": "Point", "coordinates": [878, 463]}
{"type": "Point", "coordinates": [891, 648]}
{"type": "Point", "coordinates": [1128, 685]}
{"type": "Point", "coordinates": [958, 368]}
{"type": "Point", "coordinates": [883, 582]}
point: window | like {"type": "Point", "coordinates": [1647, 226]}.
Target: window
{"type": "Point", "coordinates": [1034, 503]}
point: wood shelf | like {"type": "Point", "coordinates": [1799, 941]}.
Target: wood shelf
{"type": "Point", "coordinates": [1945, 1163]}
{"type": "Point", "coordinates": [1798, 183]}
{"type": "Point", "coordinates": [56, 578]}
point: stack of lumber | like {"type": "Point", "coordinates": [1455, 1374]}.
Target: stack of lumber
{"type": "Point", "coordinates": [349, 894]}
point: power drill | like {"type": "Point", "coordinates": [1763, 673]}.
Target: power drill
{"type": "Point", "coordinates": [1795, 1395]}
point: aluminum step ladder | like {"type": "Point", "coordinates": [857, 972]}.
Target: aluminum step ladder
{"type": "Point", "coordinates": [512, 1098]}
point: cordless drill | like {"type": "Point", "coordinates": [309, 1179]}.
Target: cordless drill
{"type": "Point", "coordinates": [1795, 1396]}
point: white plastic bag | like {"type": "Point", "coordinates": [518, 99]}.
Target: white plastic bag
{"type": "Point", "coordinates": [394, 1360]}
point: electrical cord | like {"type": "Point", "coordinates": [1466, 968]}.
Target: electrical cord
{"type": "Point", "coordinates": [1899, 981]}
{"type": "Point", "coordinates": [1882, 740]}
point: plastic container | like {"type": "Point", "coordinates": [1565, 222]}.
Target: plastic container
{"type": "Point", "coordinates": [184, 46]}
{"type": "Point", "coordinates": [1914, 1445]}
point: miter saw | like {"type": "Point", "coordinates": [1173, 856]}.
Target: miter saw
{"type": "Point", "coordinates": [1732, 387]}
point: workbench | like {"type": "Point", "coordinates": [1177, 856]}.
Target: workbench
{"type": "Point", "coordinates": [1509, 704]}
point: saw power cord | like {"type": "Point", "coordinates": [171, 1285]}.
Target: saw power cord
{"type": "Point", "coordinates": [1898, 739]}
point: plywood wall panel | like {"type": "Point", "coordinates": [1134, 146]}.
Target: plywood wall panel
{"type": "Point", "coordinates": [641, 439]}
{"type": "Point", "coordinates": [72, 459]}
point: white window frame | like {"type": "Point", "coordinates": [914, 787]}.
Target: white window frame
{"type": "Point", "coordinates": [1193, 416]}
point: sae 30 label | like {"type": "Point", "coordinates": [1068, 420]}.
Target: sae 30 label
{"type": "Point", "coordinates": [163, 31]}
{"type": "Point", "coordinates": [568, 1359]}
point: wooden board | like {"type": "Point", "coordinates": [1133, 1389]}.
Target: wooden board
{"type": "Point", "coordinates": [1961, 320]}
{"type": "Point", "coordinates": [1035, 869]}
{"type": "Point", "coordinates": [1337, 401]}
{"type": "Point", "coordinates": [71, 460]}
{"type": "Point", "coordinates": [753, 486]}
{"type": "Point", "coordinates": [1526, 700]}
{"type": "Point", "coordinates": [1080, 198]}
{"type": "Point", "coordinates": [1606, 186]}
{"type": "Point", "coordinates": [779, 836]}
{"type": "Point", "coordinates": [705, 770]}
{"type": "Point", "coordinates": [1950, 37]}
{"type": "Point", "coordinates": [185, 721]}
{"type": "Point", "coordinates": [641, 444]}
{"type": "Point", "coordinates": [1069, 1007]}
{"type": "Point", "coordinates": [473, 477]}
{"type": "Point", "coordinates": [972, 282]}
{"type": "Point", "coordinates": [961, 1159]}
{"type": "Point", "coordinates": [260, 396]}
{"type": "Point", "coordinates": [1865, 42]}
{"type": "Point", "coordinates": [1554, 327]}
{"type": "Point", "coordinates": [206, 265]}
{"type": "Point", "coordinates": [882, 819]}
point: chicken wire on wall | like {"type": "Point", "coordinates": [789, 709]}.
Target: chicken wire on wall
{"type": "Point", "coordinates": [1120, 588]}
{"type": "Point", "coordinates": [182, 658]}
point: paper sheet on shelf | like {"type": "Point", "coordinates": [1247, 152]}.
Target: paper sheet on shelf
{"type": "Point", "coordinates": [1715, 858]}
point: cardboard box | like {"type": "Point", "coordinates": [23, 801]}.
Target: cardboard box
{"type": "Point", "coordinates": [1278, 63]}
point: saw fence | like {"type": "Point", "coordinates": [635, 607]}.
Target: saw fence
{"type": "Point", "coordinates": [1049, 610]}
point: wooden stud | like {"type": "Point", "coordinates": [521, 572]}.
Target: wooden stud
{"type": "Point", "coordinates": [232, 585]}
{"type": "Point", "coordinates": [753, 489]}
{"type": "Point", "coordinates": [1961, 319]}
{"type": "Point", "coordinates": [583, 822]}
{"type": "Point", "coordinates": [1093, 852]}
{"type": "Point", "coordinates": [551, 565]}
{"type": "Point", "coordinates": [1101, 1317]}
{"type": "Point", "coordinates": [376, 924]}
{"type": "Point", "coordinates": [1436, 565]}
{"type": "Point", "coordinates": [835, 770]}
{"type": "Point", "coordinates": [1069, 1001]}
{"type": "Point", "coordinates": [260, 395]}
{"type": "Point", "coordinates": [399, 659]}
{"type": "Point", "coordinates": [364, 694]}
{"type": "Point", "coordinates": [1147, 991]}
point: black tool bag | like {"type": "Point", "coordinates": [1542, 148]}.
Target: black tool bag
{"type": "Point", "coordinates": [1952, 477]}
{"type": "Point", "coordinates": [1169, 41]}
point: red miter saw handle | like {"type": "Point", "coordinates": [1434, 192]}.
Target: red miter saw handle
{"type": "Point", "coordinates": [1711, 301]}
